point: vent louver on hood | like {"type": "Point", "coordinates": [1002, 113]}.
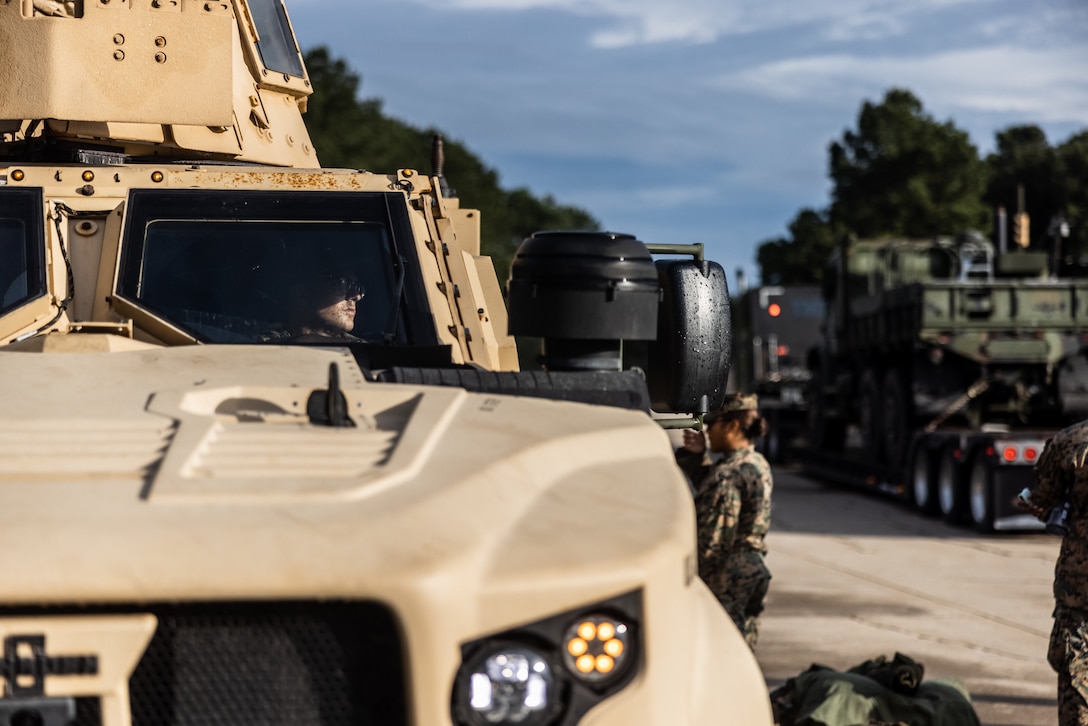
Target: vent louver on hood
{"type": "Point", "coordinates": [87, 449]}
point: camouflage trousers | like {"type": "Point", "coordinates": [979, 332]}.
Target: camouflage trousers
{"type": "Point", "coordinates": [741, 587]}
{"type": "Point", "coordinates": [1068, 656]}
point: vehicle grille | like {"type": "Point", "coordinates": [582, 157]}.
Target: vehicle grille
{"type": "Point", "coordinates": [268, 664]}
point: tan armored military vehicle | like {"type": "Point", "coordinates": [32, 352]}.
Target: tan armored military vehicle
{"type": "Point", "coordinates": [265, 453]}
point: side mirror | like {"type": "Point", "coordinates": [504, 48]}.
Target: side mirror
{"type": "Point", "coordinates": [687, 365]}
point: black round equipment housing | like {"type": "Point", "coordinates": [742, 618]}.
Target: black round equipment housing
{"type": "Point", "coordinates": [577, 285]}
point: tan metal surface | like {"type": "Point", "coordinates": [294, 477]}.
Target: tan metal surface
{"type": "Point", "coordinates": [117, 641]}
{"type": "Point", "coordinates": [139, 467]}
{"type": "Point", "coordinates": [169, 78]}
{"type": "Point", "coordinates": [94, 252]}
{"type": "Point", "coordinates": [549, 522]}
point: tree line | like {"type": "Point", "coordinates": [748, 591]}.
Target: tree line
{"type": "Point", "coordinates": [902, 173]}
{"type": "Point", "coordinates": [354, 133]}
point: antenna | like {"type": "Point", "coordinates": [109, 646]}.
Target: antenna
{"type": "Point", "coordinates": [438, 165]}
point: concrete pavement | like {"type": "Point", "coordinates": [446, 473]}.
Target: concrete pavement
{"type": "Point", "coordinates": [857, 575]}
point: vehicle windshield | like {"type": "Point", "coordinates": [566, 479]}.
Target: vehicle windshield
{"type": "Point", "coordinates": [22, 272]}
{"type": "Point", "coordinates": [258, 267]}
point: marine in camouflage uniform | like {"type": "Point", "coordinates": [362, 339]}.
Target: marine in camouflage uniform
{"type": "Point", "coordinates": [733, 512]}
{"type": "Point", "coordinates": [1062, 474]}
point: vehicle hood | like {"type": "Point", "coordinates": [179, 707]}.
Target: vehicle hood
{"type": "Point", "coordinates": [194, 473]}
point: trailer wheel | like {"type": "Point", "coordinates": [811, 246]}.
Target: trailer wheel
{"type": "Point", "coordinates": [981, 490]}
{"type": "Point", "coordinates": [869, 416]}
{"type": "Point", "coordinates": [923, 478]}
{"type": "Point", "coordinates": [950, 489]}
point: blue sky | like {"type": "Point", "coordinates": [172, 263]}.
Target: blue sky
{"type": "Point", "coordinates": [699, 120]}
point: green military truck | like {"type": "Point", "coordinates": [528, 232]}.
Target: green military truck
{"type": "Point", "coordinates": [266, 455]}
{"type": "Point", "coordinates": [943, 368]}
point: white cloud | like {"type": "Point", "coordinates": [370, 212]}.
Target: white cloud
{"type": "Point", "coordinates": [636, 22]}
{"type": "Point", "coordinates": [1045, 84]}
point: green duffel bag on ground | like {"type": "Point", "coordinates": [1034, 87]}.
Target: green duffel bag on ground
{"type": "Point", "coordinates": [878, 691]}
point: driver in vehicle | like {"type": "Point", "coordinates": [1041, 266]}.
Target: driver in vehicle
{"type": "Point", "coordinates": [321, 306]}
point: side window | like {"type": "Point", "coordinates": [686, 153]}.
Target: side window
{"type": "Point", "coordinates": [277, 43]}
{"type": "Point", "coordinates": [22, 248]}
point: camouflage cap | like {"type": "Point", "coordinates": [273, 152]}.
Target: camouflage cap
{"type": "Point", "coordinates": [733, 402]}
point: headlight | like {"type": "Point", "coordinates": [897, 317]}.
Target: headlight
{"type": "Point", "coordinates": [510, 685]}
{"type": "Point", "coordinates": [552, 671]}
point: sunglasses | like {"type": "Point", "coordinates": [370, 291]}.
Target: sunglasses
{"type": "Point", "coordinates": [347, 287]}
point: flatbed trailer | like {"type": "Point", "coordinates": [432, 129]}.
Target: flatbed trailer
{"type": "Point", "coordinates": [973, 477]}
{"type": "Point", "coordinates": [942, 372]}
{"type": "Point", "coordinates": [966, 477]}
